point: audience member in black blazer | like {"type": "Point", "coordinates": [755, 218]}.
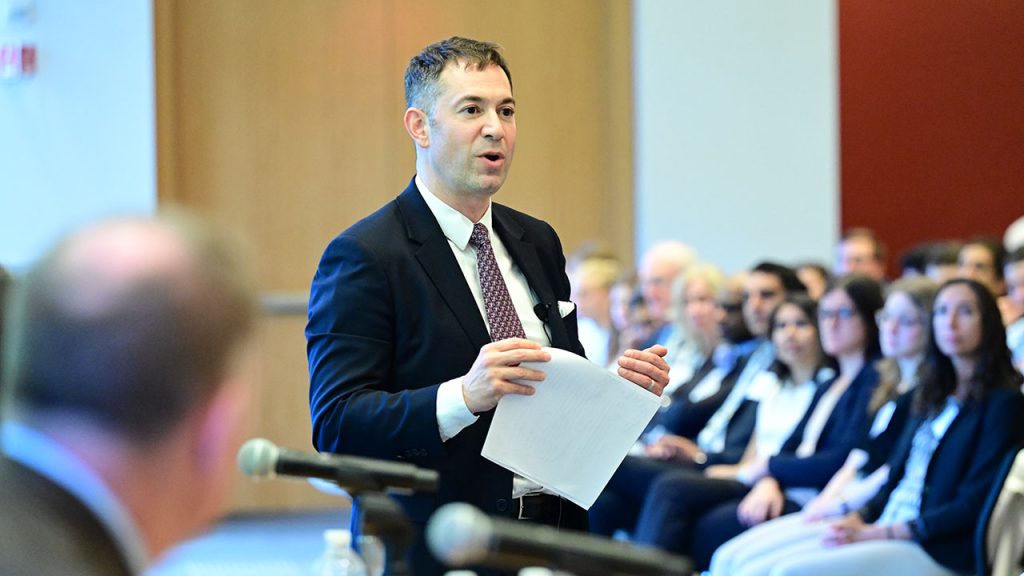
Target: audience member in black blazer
{"type": "Point", "coordinates": [966, 419]}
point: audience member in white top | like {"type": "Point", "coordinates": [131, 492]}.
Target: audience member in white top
{"type": "Point", "coordinates": [784, 393]}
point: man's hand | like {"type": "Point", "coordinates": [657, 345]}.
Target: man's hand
{"type": "Point", "coordinates": [646, 368]}
{"type": "Point", "coordinates": [494, 370]}
{"type": "Point", "coordinates": [672, 447]}
{"type": "Point", "coordinates": [763, 502]}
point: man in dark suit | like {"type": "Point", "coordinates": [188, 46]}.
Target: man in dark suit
{"type": "Point", "coordinates": [126, 383]}
{"type": "Point", "coordinates": [421, 314]}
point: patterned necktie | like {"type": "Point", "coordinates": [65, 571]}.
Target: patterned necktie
{"type": "Point", "coordinates": [501, 314]}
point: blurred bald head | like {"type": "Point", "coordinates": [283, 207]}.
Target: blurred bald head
{"type": "Point", "coordinates": [662, 264]}
{"type": "Point", "coordinates": [128, 324]}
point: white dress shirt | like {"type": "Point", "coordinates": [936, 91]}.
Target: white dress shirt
{"type": "Point", "coordinates": [452, 413]}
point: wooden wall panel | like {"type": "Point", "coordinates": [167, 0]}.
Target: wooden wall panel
{"type": "Point", "coordinates": [282, 120]}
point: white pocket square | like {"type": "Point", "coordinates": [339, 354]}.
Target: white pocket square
{"type": "Point", "coordinates": [565, 308]}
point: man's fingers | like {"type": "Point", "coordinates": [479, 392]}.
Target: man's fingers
{"type": "Point", "coordinates": [504, 388]}
{"type": "Point", "coordinates": [509, 374]}
{"type": "Point", "coordinates": [657, 350]}
{"type": "Point", "coordinates": [642, 380]}
{"type": "Point", "coordinates": [645, 357]}
{"type": "Point", "coordinates": [512, 344]}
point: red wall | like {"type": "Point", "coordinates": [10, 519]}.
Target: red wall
{"type": "Point", "coordinates": [931, 118]}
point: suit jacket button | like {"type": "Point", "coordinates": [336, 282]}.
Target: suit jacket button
{"type": "Point", "coordinates": [501, 505]}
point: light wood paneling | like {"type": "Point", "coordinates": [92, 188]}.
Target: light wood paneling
{"type": "Point", "coordinates": [282, 120]}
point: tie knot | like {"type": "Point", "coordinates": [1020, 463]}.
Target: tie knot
{"type": "Point", "coordinates": [479, 236]}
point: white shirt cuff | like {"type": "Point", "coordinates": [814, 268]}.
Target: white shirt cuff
{"type": "Point", "coordinates": [452, 413]}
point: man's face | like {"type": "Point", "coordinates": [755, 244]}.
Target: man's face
{"type": "Point", "coordinates": [472, 132]}
{"type": "Point", "coordinates": [977, 263]}
{"type": "Point", "coordinates": [761, 294]}
{"type": "Point", "coordinates": [656, 279]}
{"type": "Point", "coordinates": [730, 315]}
{"type": "Point", "coordinates": [857, 254]}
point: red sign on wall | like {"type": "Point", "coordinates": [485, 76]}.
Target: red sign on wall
{"type": "Point", "coordinates": [17, 60]}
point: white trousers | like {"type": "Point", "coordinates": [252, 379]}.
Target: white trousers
{"type": "Point", "coordinates": [790, 546]}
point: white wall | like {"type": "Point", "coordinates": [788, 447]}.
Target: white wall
{"type": "Point", "coordinates": [737, 128]}
{"type": "Point", "coordinates": [77, 141]}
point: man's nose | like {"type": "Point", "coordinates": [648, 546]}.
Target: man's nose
{"type": "Point", "coordinates": [493, 128]}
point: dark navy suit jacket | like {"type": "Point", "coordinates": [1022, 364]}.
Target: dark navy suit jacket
{"type": "Point", "coordinates": [847, 423]}
{"type": "Point", "coordinates": [960, 475]}
{"type": "Point", "coordinates": [390, 318]}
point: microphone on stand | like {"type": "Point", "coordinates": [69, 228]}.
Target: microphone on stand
{"type": "Point", "coordinates": [460, 535]}
{"type": "Point", "coordinates": [261, 458]}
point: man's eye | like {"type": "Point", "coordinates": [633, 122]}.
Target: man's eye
{"type": "Point", "coordinates": [508, 112]}
{"type": "Point", "coordinates": [471, 109]}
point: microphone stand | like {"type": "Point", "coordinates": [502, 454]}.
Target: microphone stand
{"type": "Point", "coordinates": [378, 514]}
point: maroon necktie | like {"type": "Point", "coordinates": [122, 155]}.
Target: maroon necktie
{"type": "Point", "coordinates": [501, 314]}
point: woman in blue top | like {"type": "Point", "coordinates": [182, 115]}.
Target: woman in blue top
{"type": "Point", "coordinates": [966, 419]}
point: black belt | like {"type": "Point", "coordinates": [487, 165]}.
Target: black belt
{"type": "Point", "coordinates": [539, 508]}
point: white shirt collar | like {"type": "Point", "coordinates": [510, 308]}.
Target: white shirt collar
{"type": "Point", "coordinates": [46, 457]}
{"type": "Point", "coordinates": [454, 224]}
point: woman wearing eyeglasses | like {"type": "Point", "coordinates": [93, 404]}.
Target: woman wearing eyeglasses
{"type": "Point", "coordinates": [965, 420]}
{"type": "Point", "coordinates": [904, 329]}
{"type": "Point", "coordinates": [694, 515]}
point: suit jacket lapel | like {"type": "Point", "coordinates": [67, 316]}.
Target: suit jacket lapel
{"type": "Point", "coordinates": [440, 265]}
{"type": "Point", "coordinates": [524, 254]}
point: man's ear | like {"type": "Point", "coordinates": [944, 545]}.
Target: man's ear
{"type": "Point", "coordinates": [418, 126]}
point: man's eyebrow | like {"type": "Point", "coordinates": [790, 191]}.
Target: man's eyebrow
{"type": "Point", "coordinates": [480, 100]}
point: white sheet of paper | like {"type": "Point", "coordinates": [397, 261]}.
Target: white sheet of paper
{"type": "Point", "coordinates": [573, 433]}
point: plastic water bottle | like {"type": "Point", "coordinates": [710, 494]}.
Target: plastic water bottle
{"type": "Point", "coordinates": [339, 559]}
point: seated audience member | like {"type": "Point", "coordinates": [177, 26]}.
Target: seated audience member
{"type": "Point", "coordinates": [632, 325]}
{"type": "Point", "coordinates": [696, 291]}
{"type": "Point", "coordinates": [914, 260]}
{"type": "Point", "coordinates": [979, 260]}
{"type": "Point", "coordinates": [942, 263]}
{"type": "Point", "coordinates": [860, 251]}
{"type": "Point", "coordinates": [591, 281]}
{"type": "Point", "coordinates": [689, 514]}
{"type": "Point", "coordinates": [1013, 272]}
{"type": "Point", "coordinates": [128, 373]}
{"type": "Point", "coordinates": [727, 431]}
{"type": "Point", "coordinates": [904, 329]}
{"type": "Point", "coordinates": [815, 277]}
{"type": "Point", "coordinates": [660, 266]}
{"type": "Point", "coordinates": [966, 420]}
{"type": "Point", "coordinates": [711, 428]}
